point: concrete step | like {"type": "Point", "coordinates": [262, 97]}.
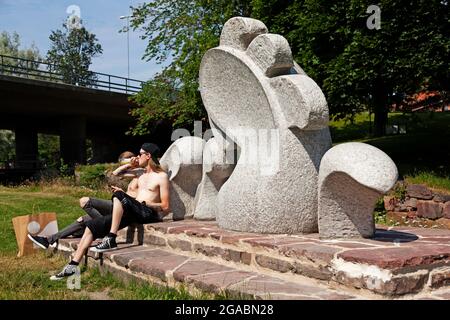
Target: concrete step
{"type": "Point", "coordinates": [398, 261]}
{"type": "Point", "coordinates": [166, 268]}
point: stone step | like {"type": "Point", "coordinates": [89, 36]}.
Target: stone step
{"type": "Point", "coordinates": [398, 261]}
{"type": "Point", "coordinates": [166, 268]}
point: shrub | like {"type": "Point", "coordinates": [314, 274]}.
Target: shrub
{"type": "Point", "coordinates": [92, 176]}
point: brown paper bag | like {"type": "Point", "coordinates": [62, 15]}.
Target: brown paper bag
{"type": "Point", "coordinates": [42, 224]}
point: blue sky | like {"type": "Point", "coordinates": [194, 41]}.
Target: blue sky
{"type": "Point", "coordinates": [34, 19]}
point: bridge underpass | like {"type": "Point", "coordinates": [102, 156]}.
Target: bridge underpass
{"type": "Point", "coordinates": [74, 113]}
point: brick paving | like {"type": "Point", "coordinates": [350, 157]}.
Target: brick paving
{"type": "Point", "coordinates": [400, 263]}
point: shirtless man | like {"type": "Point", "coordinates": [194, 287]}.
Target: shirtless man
{"type": "Point", "coordinates": [150, 205]}
{"type": "Point", "coordinates": [95, 207]}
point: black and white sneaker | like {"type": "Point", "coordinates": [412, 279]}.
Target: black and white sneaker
{"type": "Point", "coordinates": [107, 244]}
{"type": "Point", "coordinates": [67, 271]}
{"type": "Point", "coordinates": [41, 242]}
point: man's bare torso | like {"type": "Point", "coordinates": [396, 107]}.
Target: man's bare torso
{"type": "Point", "coordinates": [148, 187]}
{"type": "Point", "coordinates": [133, 188]}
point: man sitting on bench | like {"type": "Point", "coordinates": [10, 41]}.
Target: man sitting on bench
{"type": "Point", "coordinates": [150, 205]}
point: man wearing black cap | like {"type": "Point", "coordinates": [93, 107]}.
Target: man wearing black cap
{"type": "Point", "coordinates": [150, 205]}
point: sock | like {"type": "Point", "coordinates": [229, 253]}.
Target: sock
{"type": "Point", "coordinates": [73, 263]}
{"type": "Point", "coordinates": [112, 235]}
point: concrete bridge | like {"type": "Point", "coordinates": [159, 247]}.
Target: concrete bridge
{"type": "Point", "coordinates": [31, 104]}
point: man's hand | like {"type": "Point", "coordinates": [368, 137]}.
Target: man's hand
{"type": "Point", "coordinates": [134, 162]}
{"type": "Point", "coordinates": [115, 189]}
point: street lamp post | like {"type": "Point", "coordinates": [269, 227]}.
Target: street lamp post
{"type": "Point", "coordinates": [128, 41]}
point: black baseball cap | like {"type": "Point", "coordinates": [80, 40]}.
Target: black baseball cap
{"type": "Point", "coordinates": [153, 149]}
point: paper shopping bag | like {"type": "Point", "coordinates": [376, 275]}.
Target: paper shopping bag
{"type": "Point", "coordinates": [42, 224]}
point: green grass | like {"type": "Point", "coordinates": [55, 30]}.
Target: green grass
{"type": "Point", "coordinates": [431, 179]}
{"type": "Point", "coordinates": [28, 277]}
{"type": "Point", "coordinates": [23, 200]}
{"type": "Point", "coordinates": [422, 153]}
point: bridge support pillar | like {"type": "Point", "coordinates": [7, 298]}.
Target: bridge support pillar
{"type": "Point", "coordinates": [26, 147]}
{"type": "Point", "coordinates": [104, 150]}
{"type": "Point", "coordinates": [73, 141]}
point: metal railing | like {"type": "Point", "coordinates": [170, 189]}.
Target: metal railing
{"type": "Point", "coordinates": [40, 70]}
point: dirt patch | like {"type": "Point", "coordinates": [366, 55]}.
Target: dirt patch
{"type": "Point", "coordinates": [96, 295]}
{"type": "Point", "coordinates": [99, 295]}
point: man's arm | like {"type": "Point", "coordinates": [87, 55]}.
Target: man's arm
{"type": "Point", "coordinates": [128, 170]}
{"type": "Point", "coordinates": [122, 168]}
{"type": "Point", "coordinates": [165, 194]}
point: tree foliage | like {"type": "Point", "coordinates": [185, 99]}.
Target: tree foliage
{"type": "Point", "coordinates": [71, 53]}
{"type": "Point", "coordinates": [357, 68]}
{"type": "Point", "coordinates": [179, 32]}
{"type": "Point", "coordinates": [7, 146]}
{"type": "Point", "coordinates": [10, 46]}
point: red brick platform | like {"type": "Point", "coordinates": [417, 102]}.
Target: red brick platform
{"type": "Point", "coordinates": [403, 263]}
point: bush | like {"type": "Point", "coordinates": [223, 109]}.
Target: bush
{"type": "Point", "coordinates": [92, 176]}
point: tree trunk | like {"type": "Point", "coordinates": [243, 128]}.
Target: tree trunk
{"type": "Point", "coordinates": [380, 121]}
{"type": "Point", "coordinates": [381, 108]}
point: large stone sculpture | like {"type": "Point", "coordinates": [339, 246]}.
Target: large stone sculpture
{"type": "Point", "coordinates": [216, 170]}
{"type": "Point", "coordinates": [183, 162]}
{"type": "Point", "coordinates": [252, 89]}
{"type": "Point", "coordinates": [352, 177]}
{"type": "Point", "coordinates": [277, 120]}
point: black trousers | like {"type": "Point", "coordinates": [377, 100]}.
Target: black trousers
{"type": "Point", "coordinates": [95, 208]}
{"type": "Point", "coordinates": [133, 212]}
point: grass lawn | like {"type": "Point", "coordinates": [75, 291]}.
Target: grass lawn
{"type": "Point", "coordinates": [28, 277]}
{"type": "Point", "coordinates": [422, 154]}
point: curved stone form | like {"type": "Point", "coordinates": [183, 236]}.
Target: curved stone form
{"type": "Point", "coordinates": [183, 163]}
{"type": "Point", "coordinates": [352, 177]}
{"type": "Point", "coordinates": [216, 171]}
{"type": "Point", "coordinates": [254, 90]}
{"type": "Point", "coordinates": [238, 32]}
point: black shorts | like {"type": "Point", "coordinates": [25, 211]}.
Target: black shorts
{"type": "Point", "coordinates": [133, 212]}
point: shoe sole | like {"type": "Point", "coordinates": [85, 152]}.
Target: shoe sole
{"type": "Point", "coordinates": [103, 250]}
{"type": "Point", "coordinates": [54, 278]}
{"type": "Point", "coordinates": [37, 243]}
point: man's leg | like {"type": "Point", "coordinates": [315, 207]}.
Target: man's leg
{"type": "Point", "coordinates": [117, 214]}
{"type": "Point", "coordinates": [119, 219]}
{"type": "Point", "coordinates": [83, 245]}
{"type": "Point", "coordinates": [71, 267]}
{"type": "Point", "coordinates": [96, 208]}
{"type": "Point", "coordinates": [117, 222]}
{"type": "Point", "coordinates": [72, 229]}
{"type": "Point", "coordinates": [75, 229]}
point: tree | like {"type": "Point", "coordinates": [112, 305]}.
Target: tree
{"type": "Point", "coordinates": [359, 68]}
{"type": "Point", "coordinates": [10, 46]}
{"type": "Point", "coordinates": [180, 31]}
{"type": "Point", "coordinates": [7, 146]}
{"type": "Point", "coordinates": [71, 54]}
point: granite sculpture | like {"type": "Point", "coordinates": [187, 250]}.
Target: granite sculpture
{"type": "Point", "coordinates": [183, 163]}
{"type": "Point", "coordinates": [261, 99]}
{"type": "Point", "coordinates": [352, 177]}
{"type": "Point", "coordinates": [273, 103]}
{"type": "Point", "coordinates": [216, 170]}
